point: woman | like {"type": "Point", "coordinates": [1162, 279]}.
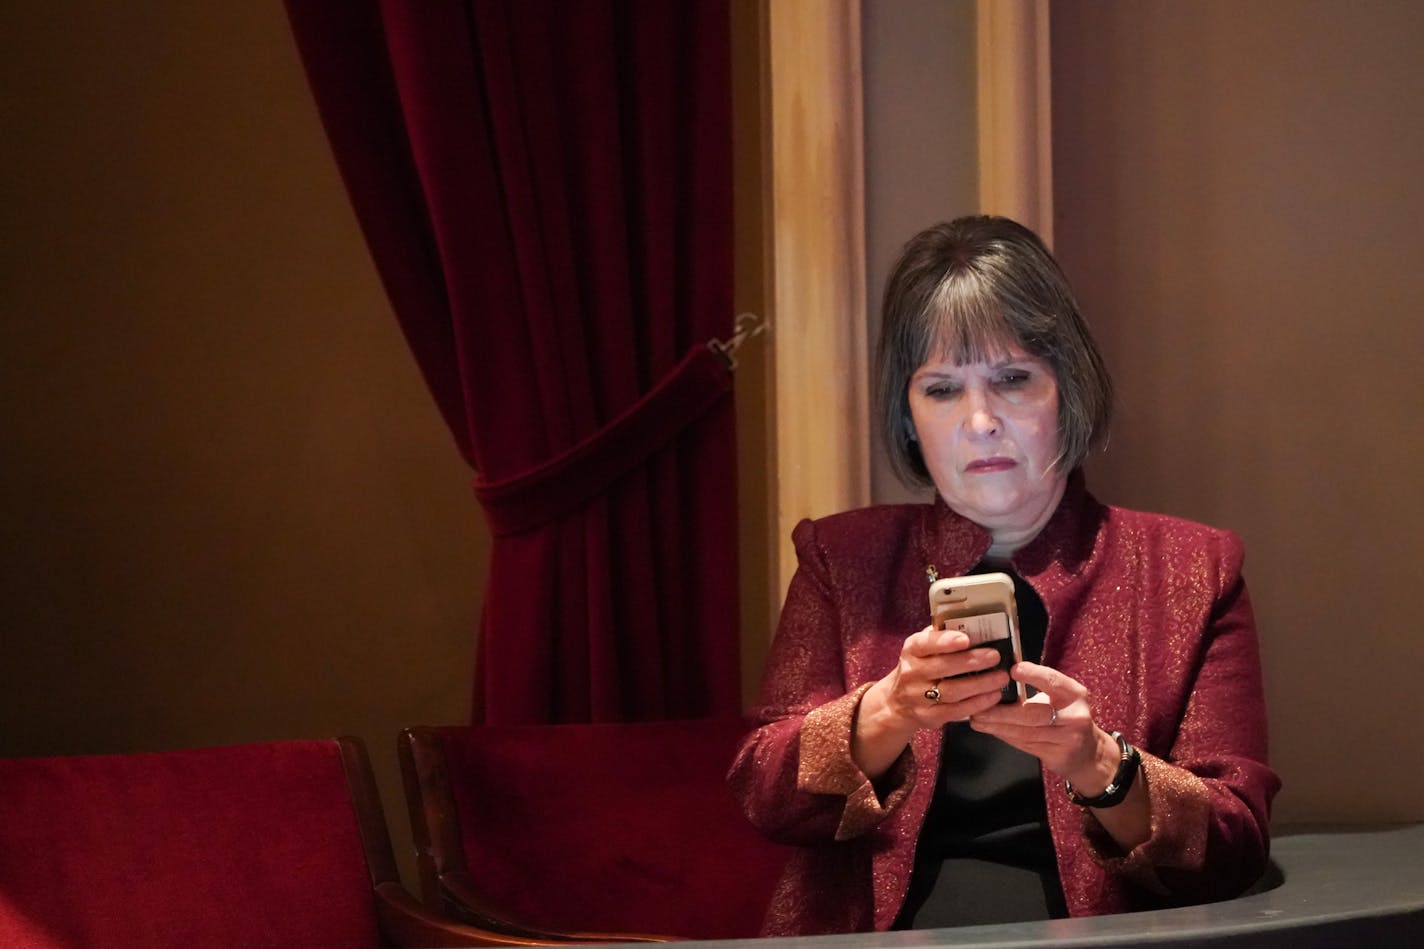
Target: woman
{"type": "Point", "coordinates": [1135, 775]}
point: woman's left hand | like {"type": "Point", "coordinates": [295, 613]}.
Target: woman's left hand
{"type": "Point", "coordinates": [1056, 727]}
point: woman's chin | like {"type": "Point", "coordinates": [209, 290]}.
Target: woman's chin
{"type": "Point", "coordinates": [995, 512]}
{"type": "Point", "coordinates": [1003, 510]}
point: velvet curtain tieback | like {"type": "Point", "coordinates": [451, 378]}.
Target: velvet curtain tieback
{"type": "Point", "coordinates": [574, 477]}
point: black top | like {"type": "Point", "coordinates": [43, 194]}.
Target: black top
{"type": "Point", "coordinates": [984, 853]}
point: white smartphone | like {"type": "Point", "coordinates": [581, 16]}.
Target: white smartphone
{"type": "Point", "coordinates": [983, 607]}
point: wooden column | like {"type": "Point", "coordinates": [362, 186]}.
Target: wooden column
{"type": "Point", "coordinates": [816, 241]}
{"type": "Point", "coordinates": [1015, 116]}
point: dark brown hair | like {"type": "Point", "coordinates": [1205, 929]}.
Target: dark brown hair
{"type": "Point", "coordinates": [972, 288]}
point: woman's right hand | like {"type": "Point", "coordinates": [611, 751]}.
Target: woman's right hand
{"type": "Point", "coordinates": [903, 701]}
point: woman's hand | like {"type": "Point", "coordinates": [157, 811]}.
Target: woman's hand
{"type": "Point", "coordinates": [920, 693]}
{"type": "Point", "coordinates": [928, 661]}
{"type": "Point", "coordinates": [1056, 726]}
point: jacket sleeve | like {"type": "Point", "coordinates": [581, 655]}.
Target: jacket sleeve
{"type": "Point", "coordinates": [1210, 793]}
{"type": "Point", "coordinates": [794, 775]}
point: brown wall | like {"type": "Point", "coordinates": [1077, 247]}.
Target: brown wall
{"type": "Point", "coordinates": [1238, 192]}
{"type": "Point", "coordinates": [231, 511]}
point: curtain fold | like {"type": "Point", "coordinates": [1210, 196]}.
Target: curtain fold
{"type": "Point", "coordinates": [545, 188]}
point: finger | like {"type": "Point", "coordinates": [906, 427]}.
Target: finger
{"type": "Point", "coordinates": [964, 709]}
{"type": "Point", "coordinates": [1023, 737]}
{"type": "Point", "coordinates": [1062, 689]}
{"type": "Point", "coordinates": [1044, 709]}
{"type": "Point", "coordinates": [949, 665]}
{"type": "Point", "coordinates": [962, 688]}
{"type": "Point", "coordinates": [1034, 712]}
{"type": "Point", "coordinates": [934, 642]}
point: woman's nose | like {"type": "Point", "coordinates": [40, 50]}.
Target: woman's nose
{"type": "Point", "coordinates": [982, 419]}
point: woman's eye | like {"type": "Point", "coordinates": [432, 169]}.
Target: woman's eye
{"type": "Point", "coordinates": [1013, 378]}
{"type": "Point", "coordinates": [941, 390]}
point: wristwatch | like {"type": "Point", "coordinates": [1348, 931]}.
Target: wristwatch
{"type": "Point", "coordinates": [1116, 791]}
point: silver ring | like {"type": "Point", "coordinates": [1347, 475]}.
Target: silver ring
{"type": "Point", "coordinates": [1052, 718]}
{"type": "Point", "coordinates": [932, 694]}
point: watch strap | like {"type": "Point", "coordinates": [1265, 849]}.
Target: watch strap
{"type": "Point", "coordinates": [1116, 791]}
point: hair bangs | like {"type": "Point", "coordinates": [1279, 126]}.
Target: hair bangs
{"type": "Point", "coordinates": [968, 324]}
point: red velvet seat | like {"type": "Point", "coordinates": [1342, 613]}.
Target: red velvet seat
{"type": "Point", "coordinates": [584, 831]}
{"type": "Point", "coordinates": [277, 844]}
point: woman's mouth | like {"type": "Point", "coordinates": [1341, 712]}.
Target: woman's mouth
{"type": "Point", "coordinates": [989, 465]}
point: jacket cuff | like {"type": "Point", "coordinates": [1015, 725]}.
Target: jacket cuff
{"type": "Point", "coordinates": [825, 766]}
{"type": "Point", "coordinates": [1180, 805]}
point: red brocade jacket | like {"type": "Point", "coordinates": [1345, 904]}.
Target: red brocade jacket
{"type": "Point", "coordinates": [1149, 612]}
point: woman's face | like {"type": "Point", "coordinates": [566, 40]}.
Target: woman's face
{"type": "Point", "coordinates": [988, 432]}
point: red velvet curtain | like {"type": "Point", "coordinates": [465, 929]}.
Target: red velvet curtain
{"type": "Point", "coordinates": [545, 187]}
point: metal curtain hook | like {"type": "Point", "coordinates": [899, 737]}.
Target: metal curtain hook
{"type": "Point", "coordinates": [744, 328]}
